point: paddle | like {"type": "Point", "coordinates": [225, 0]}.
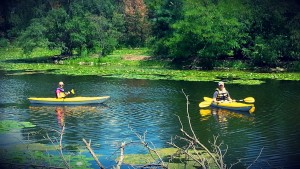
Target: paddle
{"type": "Point", "coordinates": [247, 99]}
{"type": "Point", "coordinates": [204, 104]}
{"type": "Point", "coordinates": [64, 95]}
{"type": "Point", "coordinates": [207, 99]}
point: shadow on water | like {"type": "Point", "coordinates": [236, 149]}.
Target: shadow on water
{"type": "Point", "coordinates": [41, 59]}
{"type": "Point", "coordinates": [29, 71]}
{"type": "Point", "coordinates": [45, 59]}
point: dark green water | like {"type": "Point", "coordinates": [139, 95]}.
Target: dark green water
{"type": "Point", "coordinates": [144, 105]}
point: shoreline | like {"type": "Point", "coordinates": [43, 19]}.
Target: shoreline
{"type": "Point", "coordinates": [131, 64]}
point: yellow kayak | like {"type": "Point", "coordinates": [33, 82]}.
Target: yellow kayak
{"type": "Point", "coordinates": [235, 106]}
{"type": "Point", "coordinates": [68, 101]}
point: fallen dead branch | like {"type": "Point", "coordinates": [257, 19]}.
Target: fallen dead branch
{"type": "Point", "coordinates": [142, 141]}
{"type": "Point", "coordinates": [191, 150]}
{"type": "Point", "coordinates": [60, 145]}
{"type": "Point", "coordinates": [88, 146]}
{"type": "Point", "coordinates": [194, 146]}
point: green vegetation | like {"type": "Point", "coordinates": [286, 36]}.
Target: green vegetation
{"type": "Point", "coordinates": [132, 64]}
{"type": "Point", "coordinates": [203, 34]}
{"type": "Point", "coordinates": [171, 156]}
{"type": "Point", "coordinates": [25, 152]}
{"type": "Point", "coordinates": [44, 156]}
{"type": "Point", "coordinates": [10, 125]}
{"type": "Point", "coordinates": [238, 41]}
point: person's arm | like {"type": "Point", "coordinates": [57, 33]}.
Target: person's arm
{"type": "Point", "coordinates": [66, 93]}
{"type": "Point", "coordinates": [229, 98]}
{"type": "Point", "coordinates": [215, 96]}
{"type": "Point", "coordinates": [61, 94]}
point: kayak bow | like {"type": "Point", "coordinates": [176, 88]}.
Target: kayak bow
{"type": "Point", "coordinates": [68, 101]}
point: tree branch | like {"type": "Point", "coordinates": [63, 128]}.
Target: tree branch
{"type": "Point", "coordinates": [88, 146]}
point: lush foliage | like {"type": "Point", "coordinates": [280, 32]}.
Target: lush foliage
{"type": "Point", "coordinates": [198, 33]}
{"type": "Point", "coordinates": [264, 33]}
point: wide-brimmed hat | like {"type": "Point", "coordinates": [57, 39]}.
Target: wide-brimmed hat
{"type": "Point", "coordinates": [221, 83]}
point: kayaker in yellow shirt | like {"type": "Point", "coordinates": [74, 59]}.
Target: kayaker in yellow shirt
{"type": "Point", "coordinates": [60, 92]}
{"type": "Point", "coordinates": [221, 94]}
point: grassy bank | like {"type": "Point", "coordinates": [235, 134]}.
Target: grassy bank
{"type": "Point", "coordinates": [125, 63]}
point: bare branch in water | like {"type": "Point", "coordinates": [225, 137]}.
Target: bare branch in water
{"type": "Point", "coordinates": [88, 146]}
{"type": "Point", "coordinates": [60, 145]}
{"type": "Point", "coordinates": [256, 158]}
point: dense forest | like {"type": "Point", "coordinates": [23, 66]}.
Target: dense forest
{"type": "Point", "coordinates": [195, 32]}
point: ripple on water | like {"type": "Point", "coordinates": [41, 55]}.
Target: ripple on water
{"type": "Point", "coordinates": [151, 105]}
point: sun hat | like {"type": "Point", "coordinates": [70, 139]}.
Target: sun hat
{"type": "Point", "coordinates": [221, 83]}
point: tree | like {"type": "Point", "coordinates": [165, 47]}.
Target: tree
{"type": "Point", "coordinates": [274, 31]}
{"type": "Point", "coordinates": [162, 15]}
{"type": "Point", "coordinates": [71, 28]}
{"type": "Point", "coordinates": [136, 22]}
{"type": "Point", "coordinates": [33, 37]}
{"type": "Point", "coordinates": [205, 33]}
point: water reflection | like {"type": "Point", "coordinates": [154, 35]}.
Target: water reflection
{"type": "Point", "coordinates": [222, 115]}
{"type": "Point", "coordinates": [64, 113]}
{"type": "Point", "coordinates": [60, 113]}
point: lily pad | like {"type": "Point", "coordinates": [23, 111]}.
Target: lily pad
{"type": "Point", "coordinates": [9, 125]}
{"type": "Point", "coordinates": [248, 82]}
{"type": "Point", "coordinates": [35, 147]}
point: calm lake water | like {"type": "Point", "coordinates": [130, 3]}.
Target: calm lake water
{"type": "Point", "coordinates": [139, 106]}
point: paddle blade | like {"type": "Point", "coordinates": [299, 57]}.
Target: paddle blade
{"type": "Point", "coordinates": [249, 100]}
{"type": "Point", "coordinates": [204, 104]}
{"type": "Point", "coordinates": [72, 91]}
{"type": "Point", "coordinates": [207, 99]}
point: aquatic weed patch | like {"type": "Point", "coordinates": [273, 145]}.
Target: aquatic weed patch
{"type": "Point", "coordinates": [44, 156]}
{"type": "Point", "coordinates": [116, 66]}
{"type": "Point", "coordinates": [171, 156]}
{"type": "Point", "coordinates": [10, 125]}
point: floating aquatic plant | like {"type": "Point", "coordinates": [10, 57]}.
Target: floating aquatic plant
{"type": "Point", "coordinates": [9, 125]}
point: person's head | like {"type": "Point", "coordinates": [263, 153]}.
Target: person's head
{"type": "Point", "coordinates": [220, 84]}
{"type": "Point", "coordinates": [61, 84]}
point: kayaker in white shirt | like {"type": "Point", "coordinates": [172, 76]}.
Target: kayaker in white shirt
{"type": "Point", "coordinates": [221, 94]}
